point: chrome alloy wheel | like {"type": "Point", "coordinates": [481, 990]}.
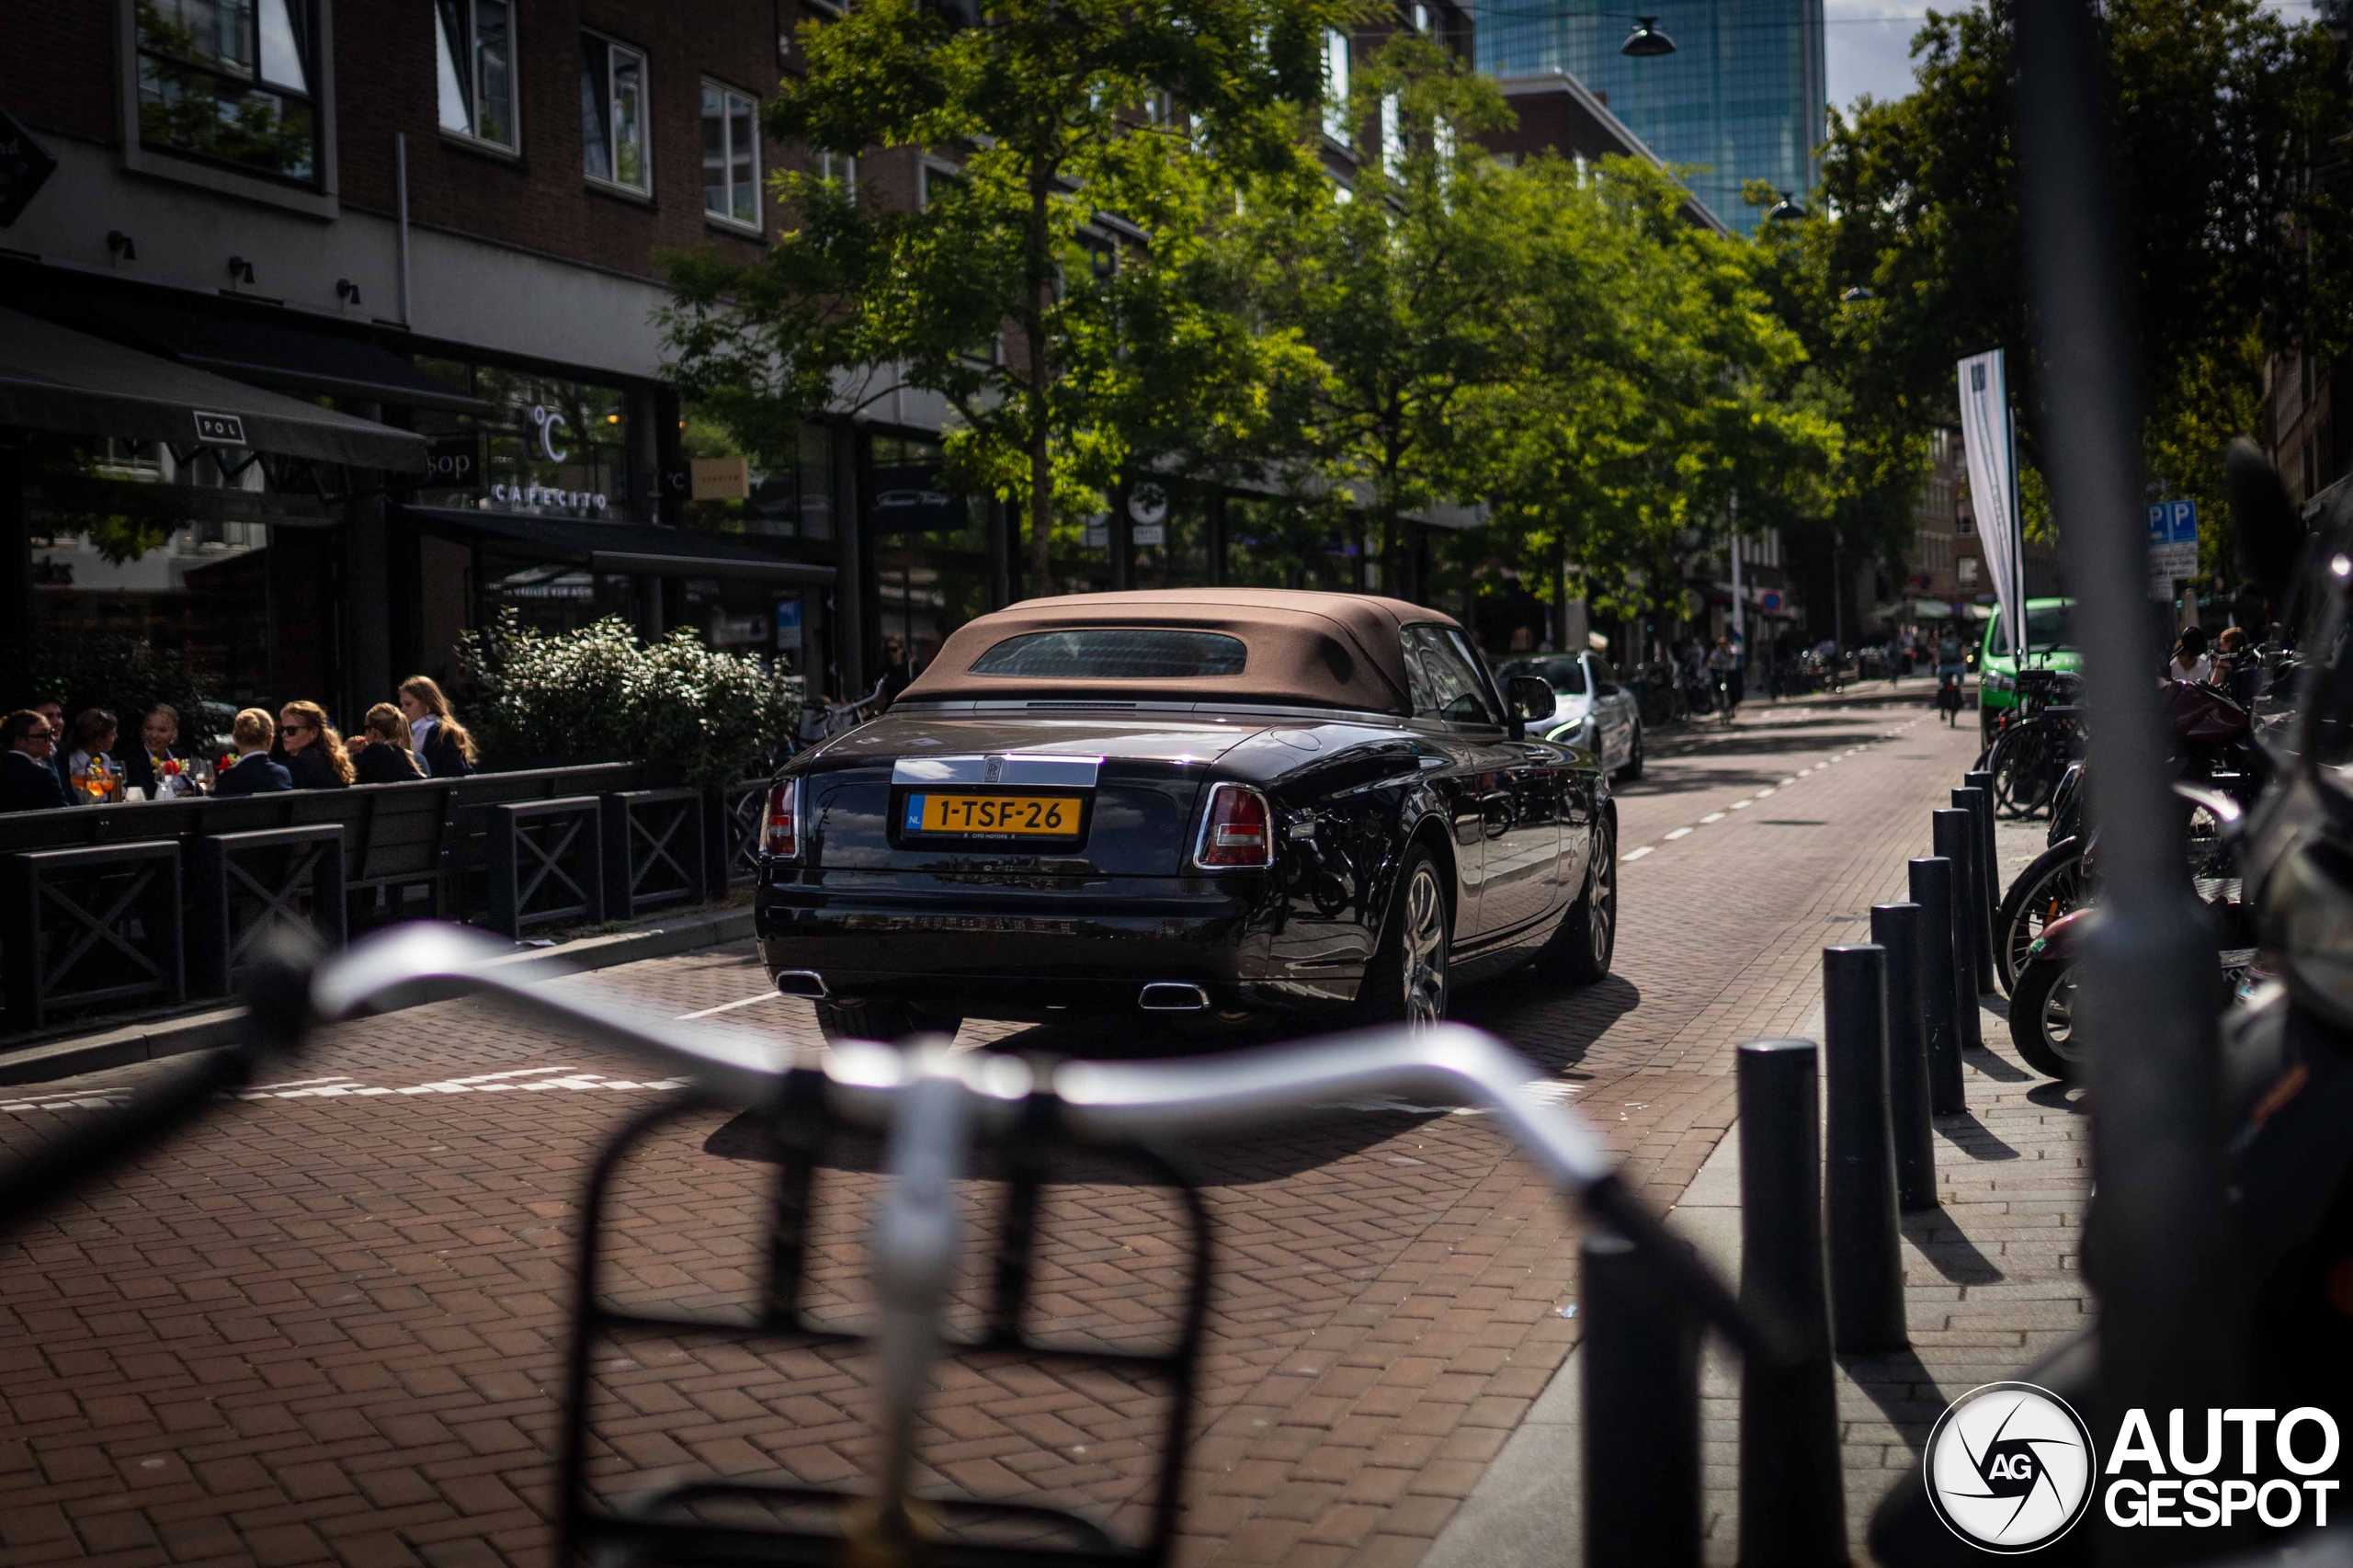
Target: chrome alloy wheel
{"type": "Point", "coordinates": [1601, 900]}
{"type": "Point", "coordinates": [1422, 954]}
{"type": "Point", "coordinates": [2058, 1021]}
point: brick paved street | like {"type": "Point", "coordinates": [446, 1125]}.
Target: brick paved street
{"type": "Point", "coordinates": [325, 1328]}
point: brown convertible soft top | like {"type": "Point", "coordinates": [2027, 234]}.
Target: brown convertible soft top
{"type": "Point", "coordinates": [1308, 649]}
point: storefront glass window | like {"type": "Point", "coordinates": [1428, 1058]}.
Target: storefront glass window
{"type": "Point", "coordinates": [931, 566]}
{"type": "Point", "coordinates": [550, 449]}
{"type": "Point", "coordinates": [1285, 544]}
{"type": "Point", "coordinates": [791, 499]}
{"type": "Point", "coordinates": [1175, 553]}
{"type": "Point", "coordinates": [195, 588]}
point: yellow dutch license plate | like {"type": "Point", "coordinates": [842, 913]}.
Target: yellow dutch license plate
{"type": "Point", "coordinates": [1045, 817]}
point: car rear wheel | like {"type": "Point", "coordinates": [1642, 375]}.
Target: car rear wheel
{"type": "Point", "coordinates": [1406, 981]}
{"type": "Point", "coordinates": [1587, 939]}
{"type": "Point", "coordinates": [1634, 768]}
{"type": "Point", "coordinates": [880, 1020]}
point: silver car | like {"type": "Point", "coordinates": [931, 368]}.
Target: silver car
{"type": "Point", "coordinates": [1592, 709]}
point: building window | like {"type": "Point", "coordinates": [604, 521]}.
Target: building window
{"type": "Point", "coordinates": [1392, 138]}
{"type": "Point", "coordinates": [731, 156]}
{"type": "Point", "coordinates": [1335, 87]}
{"type": "Point", "coordinates": [612, 113]}
{"type": "Point", "coordinates": [231, 80]}
{"type": "Point", "coordinates": [474, 44]}
{"type": "Point", "coordinates": [840, 166]}
{"type": "Point", "coordinates": [1966, 570]}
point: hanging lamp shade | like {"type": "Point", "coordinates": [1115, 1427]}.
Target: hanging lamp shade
{"type": "Point", "coordinates": [1646, 40]}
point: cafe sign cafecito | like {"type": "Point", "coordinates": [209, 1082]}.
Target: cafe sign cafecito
{"type": "Point", "coordinates": [510, 475]}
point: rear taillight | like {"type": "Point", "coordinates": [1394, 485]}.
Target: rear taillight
{"type": "Point", "coordinates": [782, 835]}
{"type": "Point", "coordinates": [1236, 831]}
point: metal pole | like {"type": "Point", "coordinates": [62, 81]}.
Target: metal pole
{"type": "Point", "coordinates": [1981, 893]}
{"type": "Point", "coordinates": [1940, 976]}
{"type": "Point", "coordinates": [1896, 927]}
{"type": "Point", "coordinates": [1955, 836]}
{"type": "Point", "coordinates": [1866, 1247]}
{"type": "Point", "coordinates": [1989, 851]}
{"type": "Point", "coordinates": [2172, 1325]}
{"type": "Point", "coordinates": [1792, 1493]}
{"type": "Point", "coordinates": [400, 201]}
{"type": "Point", "coordinates": [1641, 1413]}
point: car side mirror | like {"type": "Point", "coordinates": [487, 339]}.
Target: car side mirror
{"type": "Point", "coordinates": [1530, 697]}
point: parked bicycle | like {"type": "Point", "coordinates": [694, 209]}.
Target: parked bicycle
{"type": "Point", "coordinates": [936, 1108]}
{"type": "Point", "coordinates": [2033, 749]}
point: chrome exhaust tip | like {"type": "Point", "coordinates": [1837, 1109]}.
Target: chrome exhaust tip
{"type": "Point", "coordinates": [802, 983]}
{"type": "Point", "coordinates": [1173, 996]}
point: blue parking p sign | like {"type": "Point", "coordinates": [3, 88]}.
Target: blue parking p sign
{"type": "Point", "coordinates": [2172, 522]}
{"type": "Point", "coordinates": [2173, 545]}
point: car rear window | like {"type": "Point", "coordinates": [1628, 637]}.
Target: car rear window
{"type": "Point", "coordinates": [1115, 652]}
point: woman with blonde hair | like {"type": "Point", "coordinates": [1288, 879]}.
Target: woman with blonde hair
{"type": "Point", "coordinates": [379, 751]}
{"type": "Point", "coordinates": [310, 749]}
{"type": "Point", "coordinates": [440, 743]}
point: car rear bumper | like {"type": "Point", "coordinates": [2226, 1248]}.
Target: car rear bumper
{"type": "Point", "coordinates": [995, 949]}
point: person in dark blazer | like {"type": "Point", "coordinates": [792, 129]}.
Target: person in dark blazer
{"type": "Point", "coordinates": [51, 708]}
{"type": "Point", "coordinates": [309, 748]}
{"type": "Point", "coordinates": [255, 773]}
{"type": "Point", "coordinates": [442, 746]}
{"type": "Point", "coordinates": [26, 782]}
{"type": "Point", "coordinates": [379, 751]}
{"type": "Point", "coordinates": [159, 740]}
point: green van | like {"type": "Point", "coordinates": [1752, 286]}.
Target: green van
{"type": "Point", "coordinates": [2050, 644]}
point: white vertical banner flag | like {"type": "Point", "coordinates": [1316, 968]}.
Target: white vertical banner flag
{"type": "Point", "coordinates": [1986, 438]}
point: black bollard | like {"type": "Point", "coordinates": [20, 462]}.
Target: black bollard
{"type": "Point", "coordinates": [1956, 840]}
{"type": "Point", "coordinates": [1792, 1493]}
{"type": "Point", "coordinates": [1989, 849]}
{"type": "Point", "coordinates": [1866, 1248]}
{"type": "Point", "coordinates": [1980, 827]}
{"type": "Point", "coordinates": [1641, 1413]}
{"type": "Point", "coordinates": [1896, 927]}
{"type": "Point", "coordinates": [1939, 978]}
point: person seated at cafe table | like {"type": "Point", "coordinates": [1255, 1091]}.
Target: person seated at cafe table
{"type": "Point", "coordinates": [26, 782]}
{"type": "Point", "coordinates": [255, 773]}
{"type": "Point", "coordinates": [379, 751]}
{"type": "Point", "coordinates": [159, 757]}
{"type": "Point", "coordinates": [54, 711]}
{"type": "Point", "coordinates": [95, 732]}
{"type": "Point", "coordinates": [310, 749]}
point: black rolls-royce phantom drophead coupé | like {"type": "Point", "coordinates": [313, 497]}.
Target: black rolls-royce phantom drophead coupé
{"type": "Point", "coordinates": [1224, 803]}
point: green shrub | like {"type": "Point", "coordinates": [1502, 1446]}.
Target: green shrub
{"type": "Point", "coordinates": [599, 695]}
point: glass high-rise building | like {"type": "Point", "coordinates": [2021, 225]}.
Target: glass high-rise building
{"type": "Point", "coordinates": [1741, 98]}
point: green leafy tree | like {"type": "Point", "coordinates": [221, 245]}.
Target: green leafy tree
{"type": "Point", "coordinates": [2230, 122]}
{"type": "Point", "coordinates": [1410, 288]}
{"type": "Point", "coordinates": [1058, 285]}
{"type": "Point", "coordinates": [1662, 384]}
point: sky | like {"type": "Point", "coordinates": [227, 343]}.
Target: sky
{"type": "Point", "coordinates": [1867, 54]}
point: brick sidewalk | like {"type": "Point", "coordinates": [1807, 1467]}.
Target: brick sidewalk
{"type": "Point", "coordinates": [323, 1328]}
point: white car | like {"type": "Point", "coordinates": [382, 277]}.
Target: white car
{"type": "Point", "coordinates": [1592, 709]}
